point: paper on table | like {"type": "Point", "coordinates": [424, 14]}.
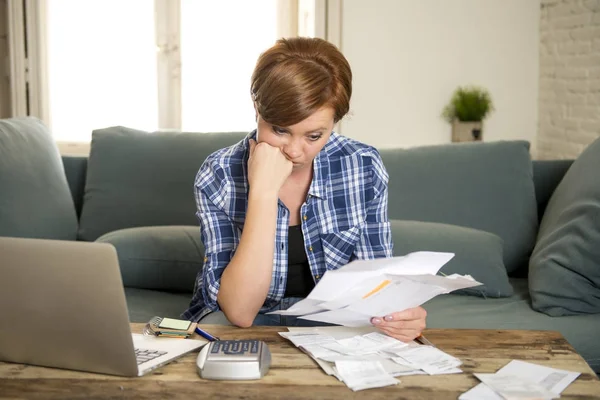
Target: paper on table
{"type": "Point", "coordinates": [327, 367]}
{"type": "Point", "coordinates": [552, 379]}
{"type": "Point", "coordinates": [365, 344]}
{"type": "Point", "coordinates": [430, 359]}
{"type": "Point", "coordinates": [359, 375]}
{"type": "Point", "coordinates": [318, 351]}
{"type": "Point", "coordinates": [515, 387]}
{"type": "Point", "coordinates": [302, 340]}
{"type": "Point", "coordinates": [337, 332]}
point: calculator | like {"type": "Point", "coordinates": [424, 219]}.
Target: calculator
{"type": "Point", "coordinates": [234, 360]}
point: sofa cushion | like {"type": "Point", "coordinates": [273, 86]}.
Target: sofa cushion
{"type": "Point", "coordinates": [564, 270]}
{"type": "Point", "coordinates": [159, 257]}
{"type": "Point", "coordinates": [35, 201]}
{"type": "Point", "coordinates": [137, 178]}
{"type": "Point", "coordinates": [485, 186]}
{"type": "Point", "coordinates": [477, 253]}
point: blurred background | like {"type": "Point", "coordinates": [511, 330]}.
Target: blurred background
{"type": "Point", "coordinates": [81, 65]}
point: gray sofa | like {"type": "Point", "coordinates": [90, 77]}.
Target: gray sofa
{"type": "Point", "coordinates": [482, 201]}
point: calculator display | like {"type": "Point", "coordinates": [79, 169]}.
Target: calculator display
{"type": "Point", "coordinates": [235, 350]}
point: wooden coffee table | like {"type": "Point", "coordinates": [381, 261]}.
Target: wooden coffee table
{"type": "Point", "coordinates": [294, 375]}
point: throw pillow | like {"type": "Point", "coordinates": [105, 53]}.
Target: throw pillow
{"type": "Point", "coordinates": [485, 186]}
{"type": "Point", "coordinates": [564, 270]}
{"type": "Point", "coordinates": [159, 257]}
{"type": "Point", "coordinates": [477, 253]}
{"type": "Point", "coordinates": [136, 178]}
{"type": "Point", "coordinates": [35, 201]}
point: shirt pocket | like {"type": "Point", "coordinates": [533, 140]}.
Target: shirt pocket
{"type": "Point", "coordinates": [338, 247]}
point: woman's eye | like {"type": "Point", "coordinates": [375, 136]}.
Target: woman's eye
{"type": "Point", "coordinates": [278, 130]}
{"type": "Point", "coordinates": [314, 138]}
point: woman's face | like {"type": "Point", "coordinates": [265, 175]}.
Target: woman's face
{"type": "Point", "coordinates": [300, 143]}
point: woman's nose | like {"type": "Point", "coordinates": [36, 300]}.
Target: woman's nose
{"type": "Point", "coordinates": [292, 149]}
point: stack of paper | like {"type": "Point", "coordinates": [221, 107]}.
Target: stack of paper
{"type": "Point", "coordinates": [431, 360]}
{"type": "Point", "coordinates": [364, 358]}
{"type": "Point", "coordinates": [362, 289]}
{"type": "Point", "coordinates": [521, 380]}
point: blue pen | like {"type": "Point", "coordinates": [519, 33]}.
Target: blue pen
{"type": "Point", "coordinates": [206, 335]}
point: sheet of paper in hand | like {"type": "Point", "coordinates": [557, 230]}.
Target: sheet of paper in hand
{"type": "Point", "coordinates": [353, 294]}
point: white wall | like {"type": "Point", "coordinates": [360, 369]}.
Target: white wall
{"type": "Point", "coordinates": [408, 56]}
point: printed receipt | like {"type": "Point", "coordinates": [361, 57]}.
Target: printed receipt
{"type": "Point", "coordinates": [359, 375]}
{"type": "Point", "coordinates": [504, 385]}
{"type": "Point", "coordinates": [515, 387]}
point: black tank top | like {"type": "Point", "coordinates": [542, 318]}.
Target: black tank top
{"type": "Point", "coordinates": [299, 279]}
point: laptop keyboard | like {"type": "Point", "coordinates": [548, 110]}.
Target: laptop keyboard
{"type": "Point", "coordinates": [144, 355]}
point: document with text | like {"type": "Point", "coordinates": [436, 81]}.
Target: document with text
{"type": "Point", "coordinates": [362, 289]}
{"type": "Point", "coordinates": [365, 358]}
{"type": "Point", "coordinates": [521, 380]}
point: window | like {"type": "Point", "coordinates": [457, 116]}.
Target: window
{"type": "Point", "coordinates": [217, 59]}
{"type": "Point", "coordinates": [149, 65]}
{"type": "Point", "coordinates": [101, 61]}
{"type": "Point", "coordinates": [306, 18]}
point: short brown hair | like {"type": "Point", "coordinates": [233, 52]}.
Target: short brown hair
{"type": "Point", "coordinates": [298, 76]}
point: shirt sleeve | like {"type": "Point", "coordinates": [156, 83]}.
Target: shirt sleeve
{"type": "Point", "coordinates": [220, 235]}
{"type": "Point", "coordinates": [376, 235]}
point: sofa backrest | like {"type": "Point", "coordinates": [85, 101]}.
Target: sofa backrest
{"type": "Point", "coordinates": [486, 186]}
{"type": "Point", "coordinates": [547, 175]}
{"type": "Point", "coordinates": [136, 178]}
{"type": "Point", "coordinates": [34, 195]}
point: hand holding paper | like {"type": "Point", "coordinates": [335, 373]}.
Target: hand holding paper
{"type": "Point", "coordinates": [362, 289]}
{"type": "Point", "coordinates": [404, 325]}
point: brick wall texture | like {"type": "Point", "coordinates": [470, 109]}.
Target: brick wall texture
{"type": "Point", "coordinates": [569, 98]}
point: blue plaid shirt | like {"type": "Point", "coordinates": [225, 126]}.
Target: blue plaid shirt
{"type": "Point", "coordinates": [344, 216]}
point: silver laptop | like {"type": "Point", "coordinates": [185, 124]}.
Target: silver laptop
{"type": "Point", "coordinates": [62, 305]}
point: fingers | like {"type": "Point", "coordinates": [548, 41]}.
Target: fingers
{"type": "Point", "coordinates": [402, 335]}
{"type": "Point", "coordinates": [254, 144]}
{"type": "Point", "coordinates": [268, 168]}
{"type": "Point", "coordinates": [409, 325]}
{"type": "Point", "coordinates": [409, 314]}
{"type": "Point", "coordinates": [404, 325]}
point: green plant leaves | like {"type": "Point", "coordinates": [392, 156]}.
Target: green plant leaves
{"type": "Point", "coordinates": [468, 104]}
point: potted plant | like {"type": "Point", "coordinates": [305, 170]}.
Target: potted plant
{"type": "Point", "coordinates": [467, 109]}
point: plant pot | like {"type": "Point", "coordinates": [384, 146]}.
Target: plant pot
{"type": "Point", "coordinates": [467, 131]}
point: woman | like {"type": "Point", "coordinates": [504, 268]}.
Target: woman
{"type": "Point", "coordinates": [293, 199]}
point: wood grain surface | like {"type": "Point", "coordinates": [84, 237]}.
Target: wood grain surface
{"type": "Point", "coordinates": [294, 375]}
